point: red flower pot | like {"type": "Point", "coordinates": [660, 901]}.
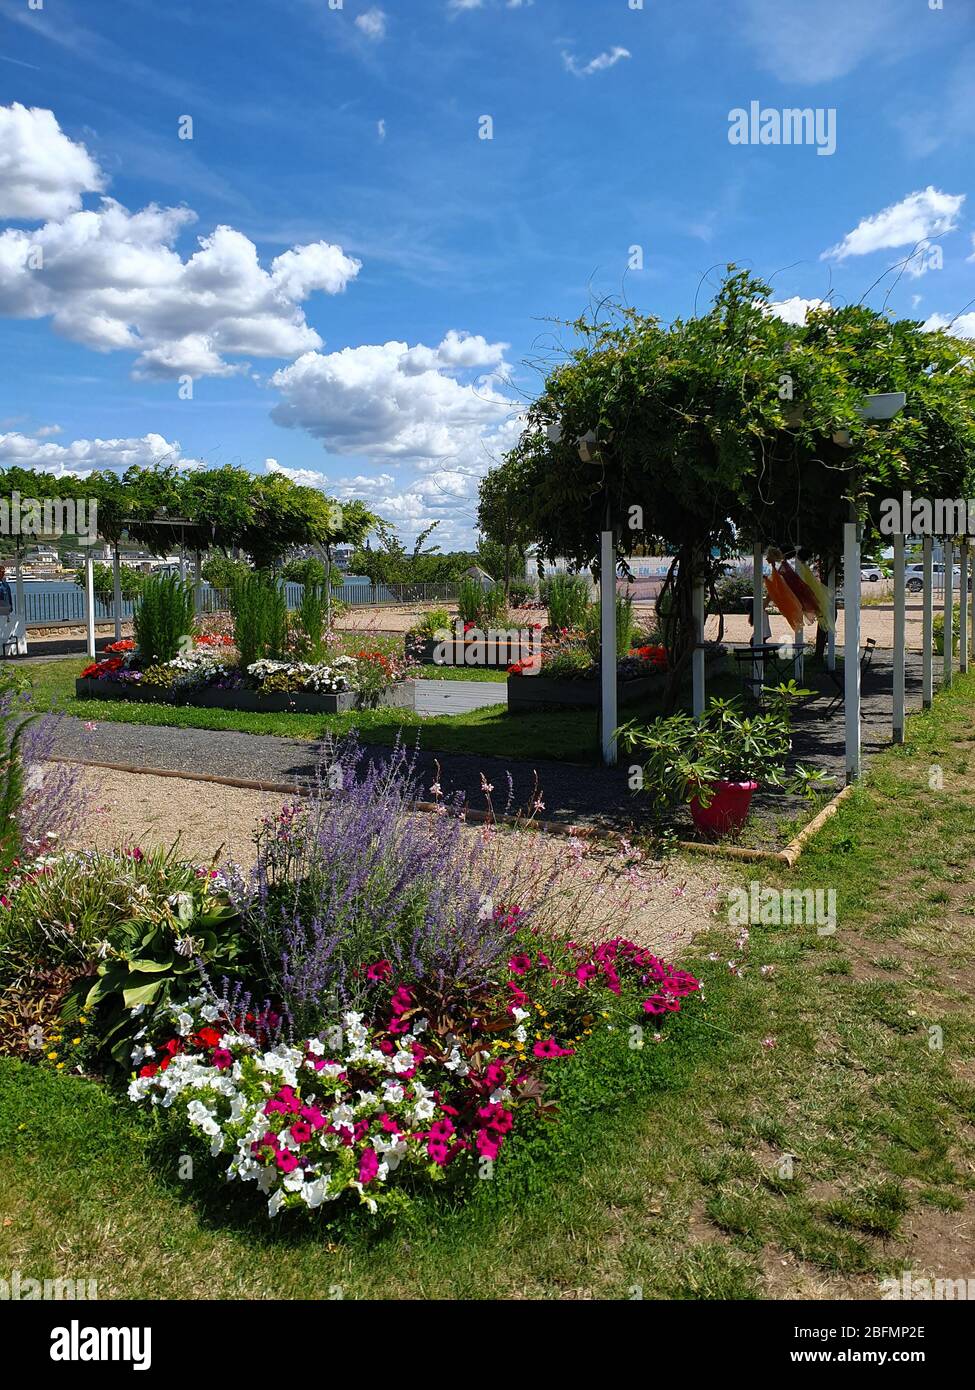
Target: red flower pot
{"type": "Point", "coordinates": [728, 810]}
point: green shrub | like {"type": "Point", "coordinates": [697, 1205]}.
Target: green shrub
{"type": "Point", "coordinates": [84, 898]}
{"type": "Point", "coordinates": [520, 592]}
{"type": "Point", "coordinates": [566, 596]}
{"type": "Point", "coordinates": [13, 725]}
{"type": "Point", "coordinates": [154, 959]}
{"type": "Point", "coordinates": [312, 571]}
{"type": "Point", "coordinates": [469, 597]}
{"type": "Point", "coordinates": [485, 608]}
{"type": "Point", "coordinates": [222, 572]}
{"type": "Point", "coordinates": [939, 630]}
{"type": "Point", "coordinates": [164, 618]}
{"type": "Point", "coordinates": [625, 627]}
{"type": "Point", "coordinates": [429, 624]}
{"type": "Point", "coordinates": [311, 618]}
{"type": "Point", "coordinates": [260, 613]}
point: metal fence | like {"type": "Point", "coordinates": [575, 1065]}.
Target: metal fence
{"type": "Point", "coordinates": [66, 606]}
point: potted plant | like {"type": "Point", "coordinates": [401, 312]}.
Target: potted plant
{"type": "Point", "coordinates": [715, 765]}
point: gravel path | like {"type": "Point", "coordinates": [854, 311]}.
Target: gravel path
{"type": "Point", "coordinates": [570, 793]}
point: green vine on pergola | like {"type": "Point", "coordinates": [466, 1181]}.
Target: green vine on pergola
{"type": "Point", "coordinates": [734, 426]}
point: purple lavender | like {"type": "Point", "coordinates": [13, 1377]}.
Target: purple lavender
{"type": "Point", "coordinates": [350, 874]}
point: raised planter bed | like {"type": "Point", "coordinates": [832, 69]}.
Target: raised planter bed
{"type": "Point", "coordinates": [534, 692]}
{"type": "Point", "coordinates": [503, 654]}
{"type": "Point", "coordinates": [401, 696]}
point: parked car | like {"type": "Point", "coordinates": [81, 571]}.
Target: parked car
{"type": "Point", "coordinates": [870, 575]}
{"type": "Point", "coordinates": [914, 577]}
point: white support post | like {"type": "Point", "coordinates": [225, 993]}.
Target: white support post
{"type": "Point", "coordinates": [963, 608]}
{"type": "Point", "coordinates": [21, 604]}
{"type": "Point", "coordinates": [799, 645]}
{"type": "Point", "coordinates": [948, 645]}
{"type": "Point", "coordinates": [697, 667]}
{"type": "Point", "coordinates": [117, 592]}
{"type": "Point", "coordinates": [90, 602]}
{"type": "Point", "coordinates": [607, 645]}
{"type": "Point", "coordinates": [197, 583]}
{"type": "Point", "coordinates": [758, 619]}
{"type": "Point", "coordinates": [927, 624]}
{"type": "Point", "coordinates": [851, 653]}
{"type": "Point", "coordinates": [900, 629]}
{"type": "Point", "coordinates": [831, 636]}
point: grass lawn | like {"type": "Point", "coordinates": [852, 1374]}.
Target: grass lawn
{"type": "Point", "coordinates": [851, 1053]}
{"type": "Point", "coordinates": [568, 735]}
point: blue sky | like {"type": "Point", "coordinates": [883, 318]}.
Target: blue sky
{"type": "Point", "coordinates": [377, 305]}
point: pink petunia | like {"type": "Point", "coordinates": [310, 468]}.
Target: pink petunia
{"type": "Point", "coordinates": [550, 1048]}
{"type": "Point", "coordinates": [368, 1165]}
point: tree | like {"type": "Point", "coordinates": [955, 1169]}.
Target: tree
{"type": "Point", "coordinates": [506, 531]}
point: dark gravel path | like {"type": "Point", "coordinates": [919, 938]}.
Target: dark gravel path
{"type": "Point", "coordinates": [571, 793]}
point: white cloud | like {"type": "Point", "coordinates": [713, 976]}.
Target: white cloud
{"type": "Point", "coordinates": [82, 456]}
{"type": "Point", "coordinates": [812, 41]}
{"type": "Point", "coordinates": [42, 172]}
{"type": "Point", "coordinates": [381, 129]}
{"type": "Point", "coordinates": [391, 402]}
{"type": "Point", "coordinates": [961, 327]}
{"type": "Point", "coordinates": [113, 280]}
{"type": "Point", "coordinates": [372, 23]}
{"type": "Point", "coordinates": [600, 63]}
{"type": "Point", "coordinates": [913, 220]}
{"type": "Point", "coordinates": [794, 310]}
{"type": "Point", "coordinates": [306, 477]}
{"type": "Point", "coordinates": [47, 431]}
{"type": "Point", "coordinates": [465, 4]}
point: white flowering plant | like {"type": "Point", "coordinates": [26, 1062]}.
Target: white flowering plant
{"type": "Point", "coordinates": [424, 1085]}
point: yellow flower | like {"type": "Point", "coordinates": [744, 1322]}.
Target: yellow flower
{"type": "Point", "coordinates": [75, 1042]}
{"type": "Point", "coordinates": [82, 1019]}
{"type": "Point", "coordinates": [59, 1066]}
{"type": "Point", "coordinates": [52, 1056]}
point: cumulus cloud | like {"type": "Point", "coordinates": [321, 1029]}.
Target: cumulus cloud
{"type": "Point", "coordinates": [794, 310]}
{"type": "Point", "coordinates": [961, 327]}
{"type": "Point", "coordinates": [83, 456]}
{"type": "Point", "coordinates": [600, 63]}
{"type": "Point", "coordinates": [113, 280]}
{"type": "Point", "coordinates": [423, 411]}
{"type": "Point", "coordinates": [372, 23]}
{"type": "Point", "coordinates": [912, 221]}
{"type": "Point", "coordinates": [393, 402]}
{"type": "Point", "coordinates": [42, 172]}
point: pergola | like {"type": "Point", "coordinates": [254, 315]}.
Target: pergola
{"type": "Point", "coordinates": [682, 426]}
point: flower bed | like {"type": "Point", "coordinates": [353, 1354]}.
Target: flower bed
{"type": "Point", "coordinates": [205, 676]}
{"type": "Point", "coordinates": [419, 992]}
{"type": "Point", "coordinates": [567, 677]}
{"type": "Point", "coordinates": [368, 1105]}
